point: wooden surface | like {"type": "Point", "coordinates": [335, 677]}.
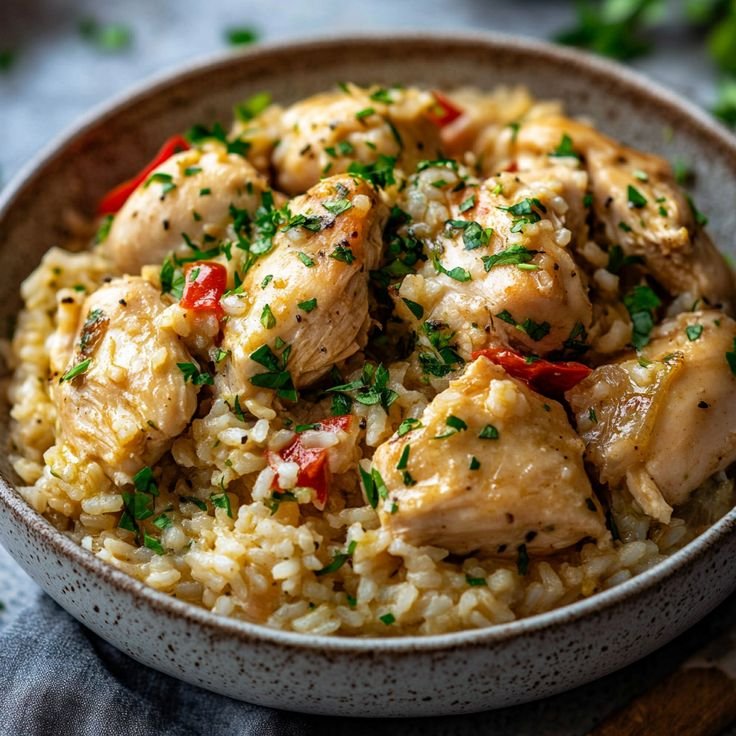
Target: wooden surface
{"type": "Point", "coordinates": [692, 701]}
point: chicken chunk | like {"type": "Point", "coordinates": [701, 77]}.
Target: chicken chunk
{"type": "Point", "coordinates": [307, 300]}
{"type": "Point", "coordinates": [492, 466]}
{"type": "Point", "coordinates": [123, 399]}
{"type": "Point", "coordinates": [502, 265]}
{"type": "Point", "coordinates": [190, 194]}
{"type": "Point", "coordinates": [636, 201]}
{"type": "Point", "coordinates": [325, 133]}
{"type": "Point", "coordinates": [663, 425]}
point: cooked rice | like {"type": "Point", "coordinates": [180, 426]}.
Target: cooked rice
{"type": "Point", "coordinates": [261, 564]}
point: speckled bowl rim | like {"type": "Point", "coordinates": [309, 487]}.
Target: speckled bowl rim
{"type": "Point", "coordinates": [675, 108]}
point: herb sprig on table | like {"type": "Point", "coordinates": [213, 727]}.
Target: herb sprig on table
{"type": "Point", "coordinates": [625, 30]}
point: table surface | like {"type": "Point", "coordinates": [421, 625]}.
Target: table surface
{"type": "Point", "coordinates": [57, 76]}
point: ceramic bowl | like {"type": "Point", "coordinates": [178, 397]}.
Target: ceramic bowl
{"type": "Point", "coordinates": [453, 673]}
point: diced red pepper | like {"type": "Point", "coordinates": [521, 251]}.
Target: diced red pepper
{"type": "Point", "coordinates": [314, 471]}
{"type": "Point", "coordinates": [541, 375]}
{"type": "Point", "coordinates": [116, 197]}
{"type": "Point", "coordinates": [204, 285]}
{"type": "Point", "coordinates": [444, 111]}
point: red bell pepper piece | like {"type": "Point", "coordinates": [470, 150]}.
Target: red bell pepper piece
{"type": "Point", "coordinates": [314, 471]}
{"type": "Point", "coordinates": [204, 285]}
{"type": "Point", "coordinates": [116, 197]}
{"type": "Point", "coordinates": [444, 111]}
{"type": "Point", "coordinates": [541, 375]}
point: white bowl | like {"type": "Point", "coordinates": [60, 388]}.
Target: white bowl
{"type": "Point", "coordinates": [407, 676]}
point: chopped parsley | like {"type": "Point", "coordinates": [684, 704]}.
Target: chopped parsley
{"type": "Point", "coordinates": [198, 502]}
{"type": "Point", "coordinates": [277, 377]}
{"type": "Point", "coordinates": [373, 486]}
{"type": "Point", "coordinates": [693, 332]}
{"type": "Point", "coordinates": [338, 205]}
{"type": "Point", "coordinates": [515, 255]}
{"type": "Point", "coordinates": [414, 307]}
{"type": "Point", "coordinates": [192, 170]}
{"type": "Point", "coordinates": [308, 305]}
{"type": "Point", "coordinates": [370, 389]}
{"type": "Point", "coordinates": [444, 357]}
{"type": "Point", "coordinates": [166, 181]}
{"type": "Point", "coordinates": [76, 370]}
{"type": "Point", "coordinates": [343, 148]}
{"type": "Point", "coordinates": [143, 481]}
{"type": "Point", "coordinates": [635, 198]}
{"type": "Point", "coordinates": [172, 279]}
{"type": "Point", "coordinates": [382, 95]}
{"type": "Point", "coordinates": [731, 358]}
{"type": "Point", "coordinates": [458, 273]}
{"type": "Point", "coordinates": [700, 218]}
{"type": "Point", "coordinates": [536, 330]}
{"type": "Point", "coordinates": [338, 560]}
{"type": "Point", "coordinates": [104, 229]}
{"type": "Point", "coordinates": [365, 113]}
{"type": "Point", "coordinates": [192, 373]}
{"type": "Point", "coordinates": [474, 463]}
{"type": "Point", "coordinates": [253, 106]}
{"type": "Point", "coordinates": [641, 302]}
{"type": "Point", "coordinates": [153, 544]}
{"type": "Point", "coordinates": [525, 212]}
{"type": "Point", "coordinates": [489, 432]}
{"type": "Point", "coordinates": [162, 521]}
{"type": "Point", "coordinates": [222, 501]}
{"type": "Point", "coordinates": [267, 318]}
{"type": "Point", "coordinates": [241, 35]}
{"type": "Point", "coordinates": [467, 204]}
{"type": "Point", "coordinates": [455, 425]}
{"type": "Point", "coordinates": [404, 459]}
{"type": "Point", "coordinates": [387, 618]}
{"type": "Point", "coordinates": [617, 260]}
{"type": "Point", "coordinates": [313, 223]}
{"type": "Point", "coordinates": [475, 582]}
{"type": "Point", "coordinates": [407, 426]}
{"type": "Point", "coordinates": [474, 235]}
{"type": "Point", "coordinates": [380, 173]}
{"type": "Point", "coordinates": [341, 404]}
{"type": "Point", "coordinates": [199, 134]}
{"type": "Point", "coordinates": [109, 37]}
{"type": "Point", "coordinates": [305, 259]}
{"type": "Point", "coordinates": [565, 149]}
{"type": "Point", "coordinates": [343, 253]}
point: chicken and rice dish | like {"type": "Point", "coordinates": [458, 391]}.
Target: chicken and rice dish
{"type": "Point", "coordinates": [386, 361]}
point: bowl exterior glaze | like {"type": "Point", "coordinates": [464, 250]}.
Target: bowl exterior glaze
{"type": "Point", "coordinates": [410, 676]}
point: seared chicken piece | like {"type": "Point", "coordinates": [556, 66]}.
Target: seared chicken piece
{"type": "Point", "coordinates": [493, 466]}
{"type": "Point", "coordinates": [518, 279]}
{"type": "Point", "coordinates": [307, 300]}
{"type": "Point", "coordinates": [637, 201]}
{"type": "Point", "coordinates": [129, 399]}
{"type": "Point", "coordinates": [665, 426]}
{"type": "Point", "coordinates": [325, 133]}
{"type": "Point", "coordinates": [190, 194]}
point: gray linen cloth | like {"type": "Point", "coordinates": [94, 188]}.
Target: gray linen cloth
{"type": "Point", "coordinates": [57, 678]}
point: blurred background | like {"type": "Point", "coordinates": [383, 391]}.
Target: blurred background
{"type": "Point", "coordinates": [59, 58]}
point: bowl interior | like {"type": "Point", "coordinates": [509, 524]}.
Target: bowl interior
{"type": "Point", "coordinates": [114, 142]}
